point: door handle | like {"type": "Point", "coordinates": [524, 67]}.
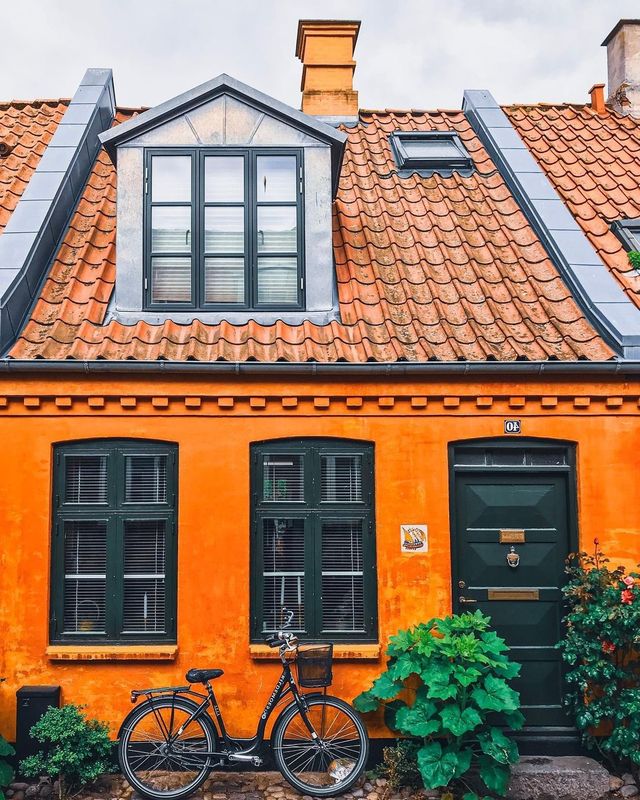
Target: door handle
{"type": "Point", "coordinates": [466, 600]}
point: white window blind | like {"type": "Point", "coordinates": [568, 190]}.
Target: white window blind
{"type": "Point", "coordinates": [283, 478]}
{"type": "Point", "coordinates": [146, 479]}
{"type": "Point", "coordinates": [342, 577]}
{"type": "Point", "coordinates": [85, 564]}
{"type": "Point", "coordinates": [85, 479]}
{"type": "Point", "coordinates": [144, 576]}
{"type": "Point", "coordinates": [341, 478]}
{"type": "Point", "coordinates": [283, 573]}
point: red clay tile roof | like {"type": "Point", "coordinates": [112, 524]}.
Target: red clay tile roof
{"type": "Point", "coordinates": [25, 128]}
{"type": "Point", "coordinates": [427, 268]}
{"type": "Point", "coordinates": [593, 161]}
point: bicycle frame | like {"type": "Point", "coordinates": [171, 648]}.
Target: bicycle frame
{"type": "Point", "coordinates": [235, 749]}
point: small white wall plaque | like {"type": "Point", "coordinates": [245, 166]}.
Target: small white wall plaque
{"type": "Point", "coordinates": [414, 539]}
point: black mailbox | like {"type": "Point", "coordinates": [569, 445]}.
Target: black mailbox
{"type": "Point", "coordinates": [32, 703]}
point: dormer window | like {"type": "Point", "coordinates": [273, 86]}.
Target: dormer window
{"type": "Point", "coordinates": [430, 151]}
{"type": "Point", "coordinates": [224, 228]}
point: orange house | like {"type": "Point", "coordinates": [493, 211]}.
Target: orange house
{"type": "Point", "coordinates": [367, 367]}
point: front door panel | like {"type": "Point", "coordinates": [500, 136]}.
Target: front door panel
{"type": "Point", "coordinates": [532, 507]}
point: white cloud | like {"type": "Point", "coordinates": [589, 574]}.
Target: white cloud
{"type": "Point", "coordinates": [411, 53]}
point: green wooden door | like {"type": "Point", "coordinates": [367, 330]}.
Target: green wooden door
{"type": "Point", "coordinates": [522, 518]}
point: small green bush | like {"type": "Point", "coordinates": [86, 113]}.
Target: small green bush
{"type": "Point", "coordinates": [76, 750]}
{"type": "Point", "coordinates": [602, 649]}
{"type": "Point", "coordinates": [458, 673]}
{"type": "Point", "coordinates": [400, 765]}
{"type": "Point", "coordinates": [634, 259]}
{"type": "Point", "coordinates": [6, 771]}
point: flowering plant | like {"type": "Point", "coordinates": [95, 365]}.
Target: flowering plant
{"type": "Point", "coordinates": [602, 650]}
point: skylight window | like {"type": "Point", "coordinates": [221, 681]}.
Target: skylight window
{"type": "Point", "coordinates": [628, 231]}
{"type": "Point", "coordinates": [430, 151]}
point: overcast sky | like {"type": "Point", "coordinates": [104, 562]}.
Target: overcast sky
{"type": "Point", "coordinates": [411, 53]}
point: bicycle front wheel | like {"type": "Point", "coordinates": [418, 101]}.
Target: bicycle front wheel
{"type": "Point", "coordinates": [163, 753]}
{"type": "Point", "coordinates": [327, 763]}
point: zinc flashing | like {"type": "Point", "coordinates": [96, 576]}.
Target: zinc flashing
{"type": "Point", "coordinates": [40, 217]}
{"type": "Point", "coordinates": [595, 289]}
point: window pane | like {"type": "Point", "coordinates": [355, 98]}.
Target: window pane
{"type": "Point", "coordinates": [283, 478]}
{"type": "Point", "coordinates": [283, 573]}
{"type": "Point", "coordinates": [85, 479]}
{"type": "Point", "coordinates": [224, 280]}
{"type": "Point", "coordinates": [224, 179]}
{"type": "Point", "coordinates": [85, 566]}
{"type": "Point", "coordinates": [171, 179]}
{"type": "Point", "coordinates": [171, 280]}
{"type": "Point", "coordinates": [145, 479]}
{"type": "Point", "coordinates": [430, 148]}
{"type": "Point", "coordinates": [342, 577]}
{"type": "Point", "coordinates": [278, 281]}
{"type": "Point", "coordinates": [224, 229]}
{"type": "Point", "coordinates": [171, 229]}
{"type": "Point", "coordinates": [144, 576]}
{"type": "Point", "coordinates": [277, 229]}
{"type": "Point", "coordinates": [276, 178]}
{"type": "Point", "coordinates": [341, 478]}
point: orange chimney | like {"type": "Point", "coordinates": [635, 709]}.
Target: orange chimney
{"type": "Point", "coordinates": [326, 48]}
{"type": "Point", "coordinates": [597, 98]}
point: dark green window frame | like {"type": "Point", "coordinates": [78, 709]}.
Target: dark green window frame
{"type": "Point", "coordinates": [198, 206]}
{"type": "Point", "coordinates": [310, 512]}
{"type": "Point", "coordinates": [113, 514]}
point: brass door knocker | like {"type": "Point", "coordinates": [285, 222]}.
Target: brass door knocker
{"type": "Point", "coordinates": [513, 559]}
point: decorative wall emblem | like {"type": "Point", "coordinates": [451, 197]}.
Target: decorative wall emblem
{"type": "Point", "coordinates": [414, 539]}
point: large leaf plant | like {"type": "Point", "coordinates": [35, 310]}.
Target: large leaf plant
{"type": "Point", "coordinates": [453, 675]}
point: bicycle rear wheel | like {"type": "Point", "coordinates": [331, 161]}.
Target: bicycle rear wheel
{"type": "Point", "coordinates": [158, 761]}
{"type": "Point", "coordinates": [330, 763]}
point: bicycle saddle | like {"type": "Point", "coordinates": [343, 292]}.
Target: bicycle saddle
{"type": "Point", "coordinates": [202, 675]}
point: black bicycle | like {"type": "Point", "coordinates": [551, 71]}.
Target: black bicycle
{"type": "Point", "coordinates": [169, 744]}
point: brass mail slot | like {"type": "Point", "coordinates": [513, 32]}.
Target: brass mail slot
{"type": "Point", "coordinates": [511, 536]}
{"type": "Point", "coordinates": [513, 594]}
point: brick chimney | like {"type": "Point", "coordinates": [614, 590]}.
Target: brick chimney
{"type": "Point", "coordinates": [326, 48]}
{"type": "Point", "coordinates": [623, 67]}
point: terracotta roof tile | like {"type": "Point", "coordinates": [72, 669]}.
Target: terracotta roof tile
{"type": "Point", "coordinates": [593, 160]}
{"type": "Point", "coordinates": [25, 128]}
{"type": "Point", "coordinates": [427, 268]}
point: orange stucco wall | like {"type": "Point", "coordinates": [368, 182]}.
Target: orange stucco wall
{"type": "Point", "coordinates": [213, 424]}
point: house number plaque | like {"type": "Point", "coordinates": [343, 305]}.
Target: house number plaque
{"type": "Point", "coordinates": [512, 536]}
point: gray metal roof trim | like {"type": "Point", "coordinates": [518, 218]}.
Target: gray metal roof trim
{"type": "Point", "coordinates": [40, 218]}
{"type": "Point", "coordinates": [511, 369]}
{"type": "Point", "coordinates": [600, 296]}
{"type": "Point", "coordinates": [225, 84]}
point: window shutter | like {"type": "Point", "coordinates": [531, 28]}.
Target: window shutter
{"type": "Point", "coordinates": [283, 573]}
{"type": "Point", "coordinates": [342, 577]}
{"type": "Point", "coordinates": [144, 576]}
{"type": "Point", "coordinates": [85, 566]}
{"type": "Point", "coordinates": [85, 479]}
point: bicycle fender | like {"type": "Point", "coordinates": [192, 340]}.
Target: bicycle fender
{"type": "Point", "coordinates": [161, 696]}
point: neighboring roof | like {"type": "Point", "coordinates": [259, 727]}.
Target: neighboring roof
{"type": "Point", "coordinates": [26, 127]}
{"type": "Point", "coordinates": [428, 268]}
{"type": "Point", "coordinates": [593, 161]}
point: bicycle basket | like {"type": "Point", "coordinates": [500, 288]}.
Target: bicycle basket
{"type": "Point", "coordinates": [314, 665]}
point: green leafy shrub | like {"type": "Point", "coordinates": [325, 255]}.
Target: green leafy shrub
{"type": "Point", "coordinates": [601, 647]}
{"type": "Point", "coordinates": [456, 672]}
{"type": "Point", "coordinates": [634, 259]}
{"type": "Point", "coordinates": [400, 765]}
{"type": "Point", "coordinates": [76, 750]}
{"type": "Point", "coordinates": [6, 771]}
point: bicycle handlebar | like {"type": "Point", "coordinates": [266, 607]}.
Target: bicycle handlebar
{"type": "Point", "coordinates": [283, 639]}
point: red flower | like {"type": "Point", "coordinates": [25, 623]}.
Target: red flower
{"type": "Point", "coordinates": [608, 647]}
{"type": "Point", "coordinates": [627, 596]}
{"type": "Point", "coordinates": [628, 581]}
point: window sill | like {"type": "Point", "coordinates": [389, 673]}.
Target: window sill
{"type": "Point", "coordinates": [112, 652]}
{"type": "Point", "coordinates": [346, 652]}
